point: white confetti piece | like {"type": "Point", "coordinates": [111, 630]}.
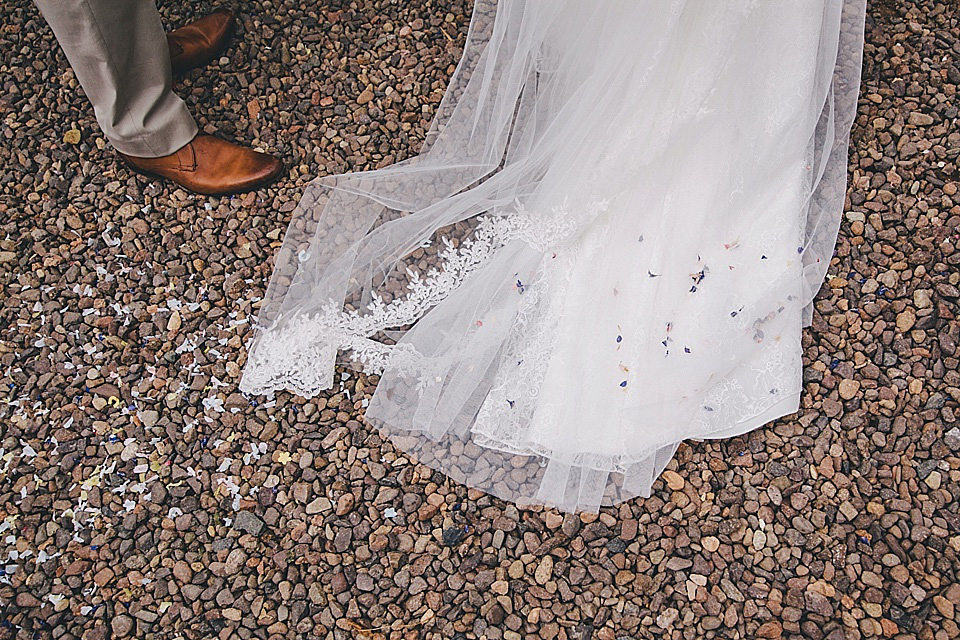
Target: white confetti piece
{"type": "Point", "coordinates": [213, 403]}
{"type": "Point", "coordinates": [43, 556]}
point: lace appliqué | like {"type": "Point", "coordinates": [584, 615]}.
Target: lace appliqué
{"type": "Point", "coordinates": [288, 355]}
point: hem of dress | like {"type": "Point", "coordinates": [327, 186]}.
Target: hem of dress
{"type": "Point", "coordinates": [786, 406]}
{"type": "Point", "coordinates": [789, 404]}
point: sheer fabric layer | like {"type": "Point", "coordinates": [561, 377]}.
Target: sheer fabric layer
{"type": "Point", "coordinates": [609, 244]}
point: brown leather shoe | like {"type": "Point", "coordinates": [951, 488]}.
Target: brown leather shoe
{"type": "Point", "coordinates": [199, 42]}
{"type": "Point", "coordinates": [212, 166]}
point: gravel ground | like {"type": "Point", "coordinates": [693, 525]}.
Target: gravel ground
{"type": "Point", "coordinates": [142, 496]}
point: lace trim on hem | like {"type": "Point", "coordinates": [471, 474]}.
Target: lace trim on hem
{"type": "Point", "coordinates": [300, 353]}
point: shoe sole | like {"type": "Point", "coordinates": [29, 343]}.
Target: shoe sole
{"type": "Point", "coordinates": [244, 188]}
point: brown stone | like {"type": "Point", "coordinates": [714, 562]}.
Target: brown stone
{"type": "Point", "coordinates": [673, 479]}
{"type": "Point", "coordinates": [103, 577]}
{"type": "Point", "coordinates": [345, 504]}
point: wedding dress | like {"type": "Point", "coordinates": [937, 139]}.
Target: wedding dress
{"type": "Point", "coordinates": [608, 244]}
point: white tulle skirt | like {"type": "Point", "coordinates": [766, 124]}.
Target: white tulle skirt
{"type": "Point", "coordinates": [609, 244]}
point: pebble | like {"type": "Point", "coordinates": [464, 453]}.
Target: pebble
{"type": "Point", "coordinates": [174, 323]}
{"type": "Point", "coordinates": [345, 504]}
{"type": "Point", "coordinates": [544, 571]}
{"type": "Point", "coordinates": [182, 571]}
{"type": "Point", "coordinates": [952, 438]}
{"type": "Point", "coordinates": [944, 606]}
{"type": "Point", "coordinates": [799, 500]}
{"type": "Point", "coordinates": [553, 519]}
{"type": "Point", "coordinates": [318, 505]}
{"type": "Point", "coordinates": [366, 96]}
{"type": "Point", "coordinates": [191, 592]}
{"type": "Point", "coordinates": [759, 540]}
{"type": "Point", "coordinates": [818, 604]}
{"type": "Point", "coordinates": [27, 600]}
{"type": "Point", "coordinates": [500, 587]}
{"type": "Point", "coordinates": [848, 510]}
{"type": "Point", "coordinates": [906, 320]}
{"type": "Point", "coordinates": [339, 584]}
{"type": "Point", "coordinates": [122, 626]}
{"type": "Point", "coordinates": [849, 389]}
{"type": "Point", "coordinates": [666, 619]}
{"type": "Point", "coordinates": [235, 560]}
{"type": "Point", "coordinates": [248, 522]}
{"type": "Point", "coordinates": [452, 536]}
{"type": "Point", "coordinates": [103, 577]}
{"type": "Point", "coordinates": [673, 479]}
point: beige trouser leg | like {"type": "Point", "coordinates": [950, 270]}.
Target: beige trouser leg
{"type": "Point", "coordinates": [118, 51]}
